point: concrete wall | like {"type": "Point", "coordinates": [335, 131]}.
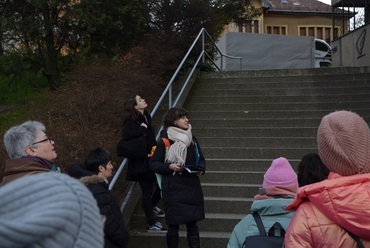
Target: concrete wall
{"type": "Point", "coordinates": [266, 51]}
{"type": "Point", "coordinates": [353, 49]}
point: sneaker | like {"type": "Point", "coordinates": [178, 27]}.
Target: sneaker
{"type": "Point", "coordinates": [157, 227]}
{"type": "Point", "coordinates": [158, 212]}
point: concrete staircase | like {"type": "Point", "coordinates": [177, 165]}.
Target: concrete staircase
{"type": "Point", "coordinates": [243, 120]}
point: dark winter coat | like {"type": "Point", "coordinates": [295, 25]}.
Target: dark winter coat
{"type": "Point", "coordinates": [139, 168]}
{"type": "Point", "coordinates": [182, 193]}
{"type": "Point", "coordinates": [115, 232]}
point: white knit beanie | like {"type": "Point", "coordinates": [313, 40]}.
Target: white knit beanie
{"type": "Point", "coordinates": [49, 210]}
{"type": "Point", "coordinates": [343, 140]}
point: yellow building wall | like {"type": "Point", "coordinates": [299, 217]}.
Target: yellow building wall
{"type": "Point", "coordinates": [293, 22]}
{"type": "Point", "coordinates": [290, 23]}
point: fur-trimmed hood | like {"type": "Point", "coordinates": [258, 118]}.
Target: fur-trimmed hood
{"type": "Point", "coordinates": [93, 179]}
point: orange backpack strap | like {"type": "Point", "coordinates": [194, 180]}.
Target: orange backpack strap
{"type": "Point", "coordinates": [166, 142]}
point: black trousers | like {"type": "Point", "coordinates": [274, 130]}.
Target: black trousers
{"type": "Point", "coordinates": [192, 229]}
{"type": "Point", "coordinates": [151, 195]}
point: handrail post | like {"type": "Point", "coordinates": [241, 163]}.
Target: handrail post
{"type": "Point", "coordinates": [116, 175]}
{"type": "Point", "coordinates": [170, 97]}
{"type": "Point", "coordinates": [222, 62]}
{"type": "Point", "coordinates": [203, 45]}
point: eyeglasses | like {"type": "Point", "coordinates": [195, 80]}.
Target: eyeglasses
{"type": "Point", "coordinates": [47, 139]}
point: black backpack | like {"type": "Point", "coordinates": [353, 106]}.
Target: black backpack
{"type": "Point", "coordinates": [264, 240]}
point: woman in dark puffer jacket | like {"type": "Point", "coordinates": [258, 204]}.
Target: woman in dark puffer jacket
{"type": "Point", "coordinates": [181, 189]}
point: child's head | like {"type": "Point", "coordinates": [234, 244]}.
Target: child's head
{"type": "Point", "coordinates": [311, 170]}
{"type": "Point", "coordinates": [280, 173]}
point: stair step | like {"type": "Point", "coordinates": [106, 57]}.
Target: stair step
{"type": "Point", "coordinates": [230, 189]}
{"type": "Point", "coordinates": [251, 177]}
{"type": "Point", "coordinates": [290, 82]}
{"type": "Point", "coordinates": [281, 92]}
{"type": "Point", "coordinates": [246, 122]}
{"type": "Point", "coordinates": [232, 164]}
{"type": "Point", "coordinates": [319, 98]}
{"type": "Point", "coordinates": [158, 240]}
{"type": "Point", "coordinates": [285, 106]}
{"type": "Point", "coordinates": [257, 142]}
{"type": "Point", "coordinates": [246, 132]}
{"type": "Point", "coordinates": [256, 153]}
{"type": "Point", "coordinates": [242, 114]}
{"type": "Point", "coordinates": [227, 205]}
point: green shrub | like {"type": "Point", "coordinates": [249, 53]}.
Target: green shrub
{"type": "Point", "coordinates": [19, 80]}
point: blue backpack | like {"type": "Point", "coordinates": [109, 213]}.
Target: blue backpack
{"type": "Point", "coordinates": [273, 239]}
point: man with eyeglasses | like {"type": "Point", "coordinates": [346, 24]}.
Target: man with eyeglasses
{"type": "Point", "coordinates": [30, 151]}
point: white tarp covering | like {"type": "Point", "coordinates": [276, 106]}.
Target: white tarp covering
{"type": "Point", "coordinates": [265, 51]}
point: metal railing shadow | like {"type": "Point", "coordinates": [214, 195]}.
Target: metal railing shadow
{"type": "Point", "coordinates": [168, 91]}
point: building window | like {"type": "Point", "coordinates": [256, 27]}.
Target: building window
{"type": "Point", "coordinates": [276, 30]}
{"type": "Point", "coordinates": [256, 29]}
{"type": "Point", "coordinates": [320, 32]}
{"type": "Point", "coordinates": [311, 31]}
{"type": "Point", "coordinates": [302, 31]}
{"type": "Point", "coordinates": [250, 27]}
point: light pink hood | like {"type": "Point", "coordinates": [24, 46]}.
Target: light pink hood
{"type": "Point", "coordinates": [344, 200]}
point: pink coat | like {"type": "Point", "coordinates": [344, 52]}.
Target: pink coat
{"type": "Point", "coordinates": [323, 208]}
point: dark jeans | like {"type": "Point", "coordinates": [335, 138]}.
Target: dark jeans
{"type": "Point", "coordinates": [150, 199]}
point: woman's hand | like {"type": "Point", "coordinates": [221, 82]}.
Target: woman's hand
{"type": "Point", "coordinates": [176, 167]}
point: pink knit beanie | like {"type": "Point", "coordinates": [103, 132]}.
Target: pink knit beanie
{"type": "Point", "coordinates": [343, 140]}
{"type": "Point", "coordinates": [280, 173]}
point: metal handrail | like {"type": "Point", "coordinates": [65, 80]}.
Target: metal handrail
{"type": "Point", "coordinates": [168, 90]}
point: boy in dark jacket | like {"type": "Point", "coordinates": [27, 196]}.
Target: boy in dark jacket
{"type": "Point", "coordinates": [98, 168]}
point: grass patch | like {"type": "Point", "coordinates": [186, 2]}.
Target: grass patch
{"type": "Point", "coordinates": [10, 119]}
{"type": "Point", "coordinates": [20, 89]}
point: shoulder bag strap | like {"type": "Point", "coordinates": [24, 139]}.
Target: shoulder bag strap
{"type": "Point", "coordinates": [197, 155]}
{"type": "Point", "coordinates": [261, 227]}
{"type": "Point", "coordinates": [357, 239]}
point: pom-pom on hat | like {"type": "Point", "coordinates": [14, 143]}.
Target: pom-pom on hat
{"type": "Point", "coordinates": [343, 140]}
{"type": "Point", "coordinates": [280, 173]}
{"type": "Point", "coordinates": [49, 210]}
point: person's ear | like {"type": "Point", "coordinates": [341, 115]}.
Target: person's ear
{"type": "Point", "coordinates": [101, 168]}
{"type": "Point", "coordinates": [30, 151]}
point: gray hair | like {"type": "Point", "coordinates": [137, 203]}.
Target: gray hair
{"type": "Point", "coordinates": [17, 138]}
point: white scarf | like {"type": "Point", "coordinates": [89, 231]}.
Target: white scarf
{"type": "Point", "coordinates": [182, 140]}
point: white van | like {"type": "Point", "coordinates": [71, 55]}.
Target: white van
{"type": "Point", "coordinates": [323, 52]}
